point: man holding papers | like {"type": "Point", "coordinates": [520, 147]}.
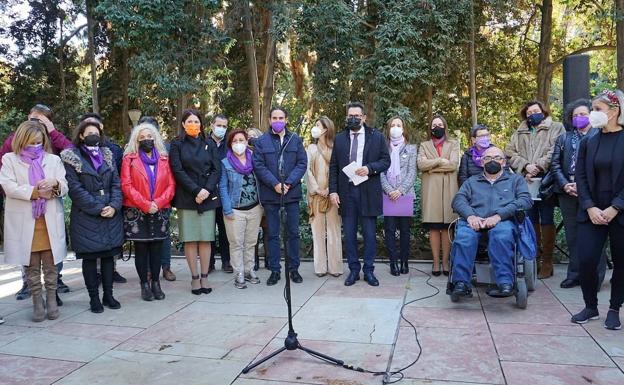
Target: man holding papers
{"type": "Point", "coordinates": [360, 155]}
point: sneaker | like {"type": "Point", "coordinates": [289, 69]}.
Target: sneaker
{"type": "Point", "coordinates": [239, 282]}
{"type": "Point", "coordinates": [585, 315]}
{"type": "Point", "coordinates": [117, 278]}
{"type": "Point", "coordinates": [252, 278]}
{"type": "Point", "coordinates": [62, 287]}
{"type": "Point", "coordinates": [612, 322]}
{"type": "Point", "coordinates": [24, 293]}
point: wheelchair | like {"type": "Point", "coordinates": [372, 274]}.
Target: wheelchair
{"type": "Point", "coordinates": [525, 270]}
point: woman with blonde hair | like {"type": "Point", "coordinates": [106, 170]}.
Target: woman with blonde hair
{"type": "Point", "coordinates": [324, 218]}
{"type": "Point", "coordinates": [148, 187]}
{"type": "Point", "coordinates": [34, 181]}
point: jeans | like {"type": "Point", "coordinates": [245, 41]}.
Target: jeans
{"type": "Point", "coordinates": [272, 212]}
{"type": "Point", "coordinates": [390, 226]}
{"type": "Point", "coordinates": [350, 217]}
{"type": "Point", "coordinates": [165, 254]}
{"type": "Point", "coordinates": [501, 250]}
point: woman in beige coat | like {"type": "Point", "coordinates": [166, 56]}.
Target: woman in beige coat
{"type": "Point", "coordinates": [34, 227]}
{"type": "Point", "coordinates": [438, 159]}
{"type": "Point", "coordinates": [324, 218]}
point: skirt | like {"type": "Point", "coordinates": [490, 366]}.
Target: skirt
{"type": "Point", "coordinates": [195, 227]}
{"type": "Point", "coordinates": [436, 226]}
{"type": "Point", "coordinates": [139, 226]}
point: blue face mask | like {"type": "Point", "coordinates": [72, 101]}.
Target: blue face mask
{"type": "Point", "coordinates": [219, 131]}
{"type": "Point", "coordinates": [535, 119]}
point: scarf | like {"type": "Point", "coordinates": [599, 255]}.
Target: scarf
{"type": "Point", "coordinates": [95, 156]}
{"type": "Point", "coordinates": [438, 143]}
{"type": "Point", "coordinates": [477, 155]}
{"type": "Point", "coordinates": [34, 158]}
{"type": "Point", "coordinates": [241, 168]}
{"type": "Point", "coordinates": [394, 172]}
{"type": "Point", "coordinates": [151, 175]}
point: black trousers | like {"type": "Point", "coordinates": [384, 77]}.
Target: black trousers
{"type": "Point", "coordinates": [89, 273]}
{"type": "Point", "coordinates": [390, 226]}
{"type": "Point", "coordinates": [224, 244]}
{"type": "Point", "coordinates": [590, 252]}
{"type": "Point", "coordinates": [147, 256]}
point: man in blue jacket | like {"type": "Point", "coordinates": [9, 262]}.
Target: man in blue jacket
{"type": "Point", "coordinates": [275, 149]}
{"type": "Point", "coordinates": [487, 203]}
{"type": "Point", "coordinates": [366, 147]}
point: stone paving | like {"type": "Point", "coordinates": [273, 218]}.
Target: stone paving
{"type": "Point", "coordinates": [208, 339]}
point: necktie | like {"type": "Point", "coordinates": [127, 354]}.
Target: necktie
{"type": "Point", "coordinates": [354, 147]}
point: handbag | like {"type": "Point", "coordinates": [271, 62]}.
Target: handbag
{"type": "Point", "coordinates": [402, 207]}
{"type": "Point", "coordinates": [547, 188]}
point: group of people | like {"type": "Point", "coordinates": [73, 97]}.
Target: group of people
{"type": "Point", "coordinates": [234, 180]}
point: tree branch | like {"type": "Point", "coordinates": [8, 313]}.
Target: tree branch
{"type": "Point", "coordinates": [71, 35]}
{"type": "Point", "coordinates": [579, 51]}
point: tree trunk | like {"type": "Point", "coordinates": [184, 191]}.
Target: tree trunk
{"type": "Point", "coordinates": [180, 107]}
{"type": "Point", "coordinates": [619, 27]}
{"type": "Point", "coordinates": [269, 72]}
{"type": "Point", "coordinates": [252, 64]}
{"type": "Point", "coordinates": [429, 107]}
{"type": "Point", "coordinates": [473, 72]}
{"type": "Point", "coordinates": [61, 55]}
{"type": "Point", "coordinates": [125, 83]}
{"type": "Point", "coordinates": [544, 68]}
{"type": "Point", "coordinates": [91, 55]}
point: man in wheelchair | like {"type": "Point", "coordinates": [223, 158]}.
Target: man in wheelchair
{"type": "Point", "coordinates": [487, 203]}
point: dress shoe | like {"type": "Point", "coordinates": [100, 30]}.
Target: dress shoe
{"type": "Point", "coordinates": [204, 290]}
{"type": "Point", "coordinates": [394, 268]}
{"type": "Point", "coordinates": [146, 292]}
{"type": "Point", "coordinates": [446, 273]}
{"type": "Point", "coordinates": [371, 279]}
{"type": "Point", "coordinates": [227, 268]}
{"type": "Point", "coordinates": [117, 278]}
{"type": "Point", "coordinates": [436, 273]}
{"type": "Point", "coordinates": [460, 289]}
{"type": "Point", "coordinates": [195, 291]}
{"type": "Point", "coordinates": [505, 289]}
{"type": "Point", "coordinates": [295, 276]}
{"type": "Point", "coordinates": [61, 287]}
{"type": "Point", "coordinates": [275, 276]}
{"type": "Point", "coordinates": [168, 275]}
{"type": "Point", "coordinates": [353, 276]}
{"type": "Point", "coordinates": [404, 267]}
{"type": "Point", "coordinates": [569, 283]}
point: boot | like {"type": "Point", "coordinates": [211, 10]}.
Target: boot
{"type": "Point", "coordinates": [50, 277]}
{"type": "Point", "coordinates": [404, 267]}
{"type": "Point", "coordinates": [33, 275]}
{"type": "Point", "coordinates": [108, 276]}
{"type": "Point", "coordinates": [548, 246]}
{"type": "Point", "coordinates": [157, 290]}
{"type": "Point", "coordinates": [91, 279]}
{"type": "Point", "coordinates": [146, 292]}
{"type": "Point", "coordinates": [394, 268]}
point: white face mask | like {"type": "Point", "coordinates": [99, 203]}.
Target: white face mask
{"type": "Point", "coordinates": [316, 132]}
{"type": "Point", "coordinates": [598, 119]}
{"type": "Point", "coordinates": [396, 132]}
{"type": "Point", "coordinates": [239, 148]}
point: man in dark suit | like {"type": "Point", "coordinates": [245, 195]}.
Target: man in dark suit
{"type": "Point", "coordinates": [367, 147]}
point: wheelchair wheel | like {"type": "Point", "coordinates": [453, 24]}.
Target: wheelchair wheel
{"type": "Point", "coordinates": [530, 274]}
{"type": "Point", "coordinates": [521, 294]}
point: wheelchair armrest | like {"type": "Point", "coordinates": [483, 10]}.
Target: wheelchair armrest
{"type": "Point", "coordinates": [520, 216]}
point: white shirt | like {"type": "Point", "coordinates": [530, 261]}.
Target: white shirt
{"type": "Point", "coordinates": [360, 148]}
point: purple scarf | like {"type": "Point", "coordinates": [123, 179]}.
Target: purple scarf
{"type": "Point", "coordinates": [477, 155]}
{"type": "Point", "coordinates": [34, 157]}
{"type": "Point", "coordinates": [244, 169]}
{"type": "Point", "coordinates": [394, 172]}
{"type": "Point", "coordinates": [95, 155]}
{"type": "Point", "coordinates": [151, 175]}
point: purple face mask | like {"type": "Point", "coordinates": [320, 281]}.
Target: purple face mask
{"type": "Point", "coordinates": [580, 121]}
{"type": "Point", "coordinates": [483, 142]}
{"type": "Point", "coordinates": [278, 126]}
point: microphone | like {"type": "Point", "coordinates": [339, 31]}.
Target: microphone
{"type": "Point", "coordinates": [280, 162]}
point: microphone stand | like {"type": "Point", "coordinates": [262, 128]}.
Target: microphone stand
{"type": "Point", "coordinates": [291, 342]}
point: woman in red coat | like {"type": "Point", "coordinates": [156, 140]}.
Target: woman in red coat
{"type": "Point", "coordinates": [148, 187]}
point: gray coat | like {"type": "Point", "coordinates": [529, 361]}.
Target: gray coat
{"type": "Point", "coordinates": [477, 196]}
{"type": "Point", "coordinates": [408, 172]}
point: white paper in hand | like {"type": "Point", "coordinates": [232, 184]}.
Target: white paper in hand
{"type": "Point", "coordinates": [349, 170]}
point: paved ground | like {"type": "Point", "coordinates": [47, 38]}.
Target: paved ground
{"type": "Point", "coordinates": [208, 339]}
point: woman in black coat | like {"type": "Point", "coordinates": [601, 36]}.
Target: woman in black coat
{"type": "Point", "coordinates": [471, 163]}
{"type": "Point", "coordinates": [96, 223]}
{"type": "Point", "coordinates": [600, 186]}
{"type": "Point", "coordinates": [197, 169]}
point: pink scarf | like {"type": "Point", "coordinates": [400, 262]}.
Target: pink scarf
{"type": "Point", "coordinates": [438, 143]}
{"type": "Point", "coordinates": [33, 156]}
{"type": "Point", "coordinates": [394, 172]}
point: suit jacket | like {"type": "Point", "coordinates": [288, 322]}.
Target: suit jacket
{"type": "Point", "coordinates": [586, 177]}
{"type": "Point", "coordinates": [376, 158]}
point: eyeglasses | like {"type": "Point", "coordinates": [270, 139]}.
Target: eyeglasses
{"type": "Point", "coordinates": [497, 158]}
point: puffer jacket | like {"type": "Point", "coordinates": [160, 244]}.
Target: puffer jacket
{"type": "Point", "coordinates": [90, 191]}
{"type": "Point", "coordinates": [526, 147]}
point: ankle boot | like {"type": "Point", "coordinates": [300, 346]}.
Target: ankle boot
{"type": "Point", "coordinates": [548, 246]}
{"type": "Point", "coordinates": [33, 275]}
{"type": "Point", "coordinates": [50, 277]}
{"type": "Point", "coordinates": [90, 276]}
{"type": "Point", "coordinates": [404, 267]}
{"type": "Point", "coordinates": [146, 292]}
{"type": "Point", "coordinates": [108, 274]}
{"type": "Point", "coordinates": [157, 290]}
{"type": "Point", "coordinates": [394, 268]}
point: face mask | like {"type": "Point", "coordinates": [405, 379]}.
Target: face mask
{"type": "Point", "coordinates": [483, 142]}
{"type": "Point", "coordinates": [147, 145]}
{"type": "Point", "coordinates": [580, 121]}
{"type": "Point", "coordinates": [36, 148]}
{"type": "Point", "coordinates": [278, 126]}
{"type": "Point", "coordinates": [598, 119]}
{"type": "Point", "coordinates": [219, 131]}
{"type": "Point", "coordinates": [438, 132]}
{"type": "Point", "coordinates": [354, 124]}
{"type": "Point", "coordinates": [492, 167]}
{"type": "Point", "coordinates": [396, 132]}
{"type": "Point", "coordinates": [92, 140]}
{"type": "Point", "coordinates": [239, 148]}
{"type": "Point", "coordinates": [316, 132]}
{"type": "Point", "coordinates": [535, 119]}
{"type": "Point", "coordinates": [192, 129]}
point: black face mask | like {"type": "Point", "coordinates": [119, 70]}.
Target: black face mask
{"type": "Point", "coordinates": [91, 140]}
{"type": "Point", "coordinates": [147, 145]}
{"type": "Point", "coordinates": [354, 124]}
{"type": "Point", "coordinates": [438, 132]}
{"type": "Point", "coordinates": [492, 167]}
